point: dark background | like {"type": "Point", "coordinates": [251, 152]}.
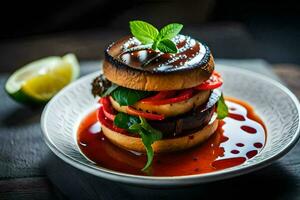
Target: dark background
{"type": "Point", "coordinates": [271, 28]}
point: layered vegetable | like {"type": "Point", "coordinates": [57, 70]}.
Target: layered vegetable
{"type": "Point", "coordinates": [155, 115]}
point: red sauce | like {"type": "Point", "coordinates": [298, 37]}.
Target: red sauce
{"type": "Point", "coordinates": [239, 144]}
{"type": "Point", "coordinates": [237, 116]}
{"type": "Point", "coordinates": [258, 145]}
{"type": "Point", "coordinates": [249, 129]}
{"type": "Point", "coordinates": [235, 151]}
{"type": "Point", "coordinates": [229, 162]}
{"type": "Point", "coordinates": [251, 154]}
{"type": "Point", "coordinates": [220, 151]}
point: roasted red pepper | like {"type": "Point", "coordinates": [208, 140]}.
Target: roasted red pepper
{"type": "Point", "coordinates": [215, 81]}
{"type": "Point", "coordinates": [107, 122]}
{"type": "Point", "coordinates": [107, 108]}
{"type": "Point", "coordinates": [182, 96]}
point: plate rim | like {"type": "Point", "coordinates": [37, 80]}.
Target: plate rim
{"type": "Point", "coordinates": [171, 180]}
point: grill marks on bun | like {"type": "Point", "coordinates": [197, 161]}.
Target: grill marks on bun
{"type": "Point", "coordinates": [163, 74]}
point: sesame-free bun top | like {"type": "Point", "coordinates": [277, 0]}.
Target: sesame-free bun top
{"type": "Point", "coordinates": [130, 64]}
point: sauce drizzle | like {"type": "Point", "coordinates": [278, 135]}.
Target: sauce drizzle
{"type": "Point", "coordinates": [230, 146]}
{"type": "Point", "coordinates": [190, 53]}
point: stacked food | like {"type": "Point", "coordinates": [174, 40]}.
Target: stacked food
{"type": "Point", "coordinates": [158, 91]}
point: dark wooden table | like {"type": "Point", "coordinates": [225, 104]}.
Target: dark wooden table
{"type": "Point", "coordinates": [24, 157]}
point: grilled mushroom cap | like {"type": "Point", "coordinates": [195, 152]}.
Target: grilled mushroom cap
{"type": "Point", "coordinates": [130, 65]}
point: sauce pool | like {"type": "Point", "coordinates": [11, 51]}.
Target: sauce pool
{"type": "Point", "coordinates": [239, 137]}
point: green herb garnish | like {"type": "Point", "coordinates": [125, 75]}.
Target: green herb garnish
{"type": "Point", "coordinates": [167, 46]}
{"type": "Point", "coordinates": [148, 34]}
{"type": "Point", "coordinates": [124, 96]}
{"type": "Point", "coordinates": [140, 126]}
{"type": "Point", "coordinates": [127, 97]}
{"type": "Point", "coordinates": [109, 90]}
{"type": "Point", "coordinates": [149, 136]}
{"type": "Point", "coordinates": [143, 31]}
{"type": "Point", "coordinates": [222, 109]}
{"type": "Point", "coordinates": [125, 121]}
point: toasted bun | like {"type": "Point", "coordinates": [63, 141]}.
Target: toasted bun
{"type": "Point", "coordinates": [161, 146]}
{"type": "Point", "coordinates": [152, 79]}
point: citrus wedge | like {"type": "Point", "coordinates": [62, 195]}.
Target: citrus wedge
{"type": "Point", "coordinates": [37, 82]}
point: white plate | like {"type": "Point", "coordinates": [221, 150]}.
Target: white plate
{"type": "Point", "coordinates": [273, 102]}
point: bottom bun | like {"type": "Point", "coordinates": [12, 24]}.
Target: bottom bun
{"type": "Point", "coordinates": [164, 145]}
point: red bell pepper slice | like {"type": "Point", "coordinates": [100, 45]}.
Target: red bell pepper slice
{"type": "Point", "coordinates": [107, 108]}
{"type": "Point", "coordinates": [107, 122]}
{"type": "Point", "coordinates": [215, 81]}
{"type": "Point", "coordinates": [182, 96]}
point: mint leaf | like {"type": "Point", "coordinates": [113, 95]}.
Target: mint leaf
{"type": "Point", "coordinates": [170, 31]}
{"type": "Point", "coordinates": [154, 45]}
{"type": "Point", "coordinates": [109, 90]}
{"type": "Point", "coordinates": [167, 46]}
{"type": "Point", "coordinates": [147, 141]}
{"type": "Point", "coordinates": [222, 109]}
{"type": "Point", "coordinates": [140, 126]}
{"type": "Point", "coordinates": [126, 97]}
{"type": "Point", "coordinates": [148, 34]}
{"type": "Point", "coordinates": [125, 121]}
{"type": "Point", "coordinates": [149, 135]}
{"type": "Point", "coordinates": [134, 128]}
{"type": "Point", "coordinates": [143, 31]}
{"type": "Point", "coordinates": [157, 135]}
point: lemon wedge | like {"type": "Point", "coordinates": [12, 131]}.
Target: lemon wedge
{"type": "Point", "coordinates": [37, 82]}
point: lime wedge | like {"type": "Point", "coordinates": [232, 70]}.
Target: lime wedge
{"type": "Point", "coordinates": [37, 82]}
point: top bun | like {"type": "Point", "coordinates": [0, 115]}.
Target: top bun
{"type": "Point", "coordinates": [130, 64]}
